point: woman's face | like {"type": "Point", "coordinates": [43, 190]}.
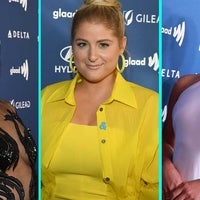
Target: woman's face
{"type": "Point", "coordinates": [96, 51]}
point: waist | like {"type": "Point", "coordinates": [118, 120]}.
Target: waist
{"type": "Point", "coordinates": [77, 186]}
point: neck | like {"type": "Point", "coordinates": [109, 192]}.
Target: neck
{"type": "Point", "coordinates": [101, 89]}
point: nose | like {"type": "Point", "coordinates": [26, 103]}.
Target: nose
{"type": "Point", "coordinates": [92, 54]}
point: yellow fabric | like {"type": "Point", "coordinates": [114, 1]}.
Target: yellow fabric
{"type": "Point", "coordinates": [127, 132]}
{"type": "Point", "coordinates": [76, 164]}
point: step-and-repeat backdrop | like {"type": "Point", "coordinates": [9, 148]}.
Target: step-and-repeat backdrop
{"type": "Point", "coordinates": [181, 43]}
{"type": "Point", "coordinates": [141, 18]}
{"type": "Point", "coordinates": [18, 59]}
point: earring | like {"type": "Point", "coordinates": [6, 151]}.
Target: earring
{"type": "Point", "coordinates": [72, 68]}
{"type": "Point", "coordinates": [123, 64]}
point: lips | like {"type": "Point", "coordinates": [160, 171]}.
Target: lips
{"type": "Point", "coordinates": [94, 67]}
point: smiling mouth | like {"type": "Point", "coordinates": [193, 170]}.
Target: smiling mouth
{"type": "Point", "coordinates": [94, 67]}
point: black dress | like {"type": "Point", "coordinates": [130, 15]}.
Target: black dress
{"type": "Point", "coordinates": [11, 187]}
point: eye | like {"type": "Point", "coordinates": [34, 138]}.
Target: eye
{"type": "Point", "coordinates": [103, 45]}
{"type": "Point", "coordinates": [81, 44]}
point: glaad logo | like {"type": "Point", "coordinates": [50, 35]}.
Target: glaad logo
{"type": "Point", "coordinates": [133, 62]}
{"type": "Point", "coordinates": [128, 17]}
{"type": "Point", "coordinates": [153, 61]}
{"type": "Point", "coordinates": [23, 70]}
{"type": "Point", "coordinates": [22, 2]}
{"type": "Point", "coordinates": [178, 32]}
{"type": "Point", "coordinates": [20, 104]}
{"type": "Point", "coordinates": [18, 34]}
{"type": "Point", "coordinates": [62, 14]}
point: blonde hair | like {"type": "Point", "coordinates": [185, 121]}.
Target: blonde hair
{"type": "Point", "coordinates": [107, 12]}
{"type": "Point", "coordinates": [103, 2]}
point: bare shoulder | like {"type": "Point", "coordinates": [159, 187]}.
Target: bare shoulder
{"type": "Point", "coordinates": [184, 82]}
{"type": "Point", "coordinates": [4, 106]}
{"type": "Point", "coordinates": [187, 80]}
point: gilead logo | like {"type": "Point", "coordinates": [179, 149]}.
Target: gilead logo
{"type": "Point", "coordinates": [20, 104]}
{"type": "Point", "coordinates": [145, 18]}
{"type": "Point", "coordinates": [128, 17]}
{"type": "Point", "coordinates": [139, 18]}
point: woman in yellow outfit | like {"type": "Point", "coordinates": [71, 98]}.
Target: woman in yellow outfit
{"type": "Point", "coordinates": [99, 131]}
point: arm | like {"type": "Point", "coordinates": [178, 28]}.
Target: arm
{"type": "Point", "coordinates": [181, 84]}
{"type": "Point", "coordinates": [171, 177]}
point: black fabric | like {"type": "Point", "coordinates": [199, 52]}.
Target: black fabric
{"type": "Point", "coordinates": [9, 157]}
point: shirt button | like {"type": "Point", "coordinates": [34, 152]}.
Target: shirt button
{"type": "Point", "coordinates": [103, 141]}
{"type": "Point", "coordinates": [106, 180]}
{"type": "Point", "coordinates": [101, 109]}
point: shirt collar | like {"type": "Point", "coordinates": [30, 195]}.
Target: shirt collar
{"type": "Point", "coordinates": [64, 91]}
{"type": "Point", "coordinates": [122, 92]}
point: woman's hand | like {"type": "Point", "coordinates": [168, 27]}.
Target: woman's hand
{"type": "Point", "coordinates": [171, 178]}
{"type": "Point", "coordinates": [186, 191]}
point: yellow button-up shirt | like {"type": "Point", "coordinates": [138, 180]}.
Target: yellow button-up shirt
{"type": "Point", "coordinates": [128, 137]}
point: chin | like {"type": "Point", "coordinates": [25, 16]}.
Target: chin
{"type": "Point", "coordinates": [93, 80]}
{"type": "Point", "coordinates": [98, 77]}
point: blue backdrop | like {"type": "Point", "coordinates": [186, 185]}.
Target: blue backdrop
{"type": "Point", "coordinates": [18, 59]}
{"type": "Point", "coordinates": [141, 19]}
{"type": "Point", "coordinates": [181, 43]}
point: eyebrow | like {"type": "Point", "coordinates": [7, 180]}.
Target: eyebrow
{"type": "Point", "coordinates": [98, 41]}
